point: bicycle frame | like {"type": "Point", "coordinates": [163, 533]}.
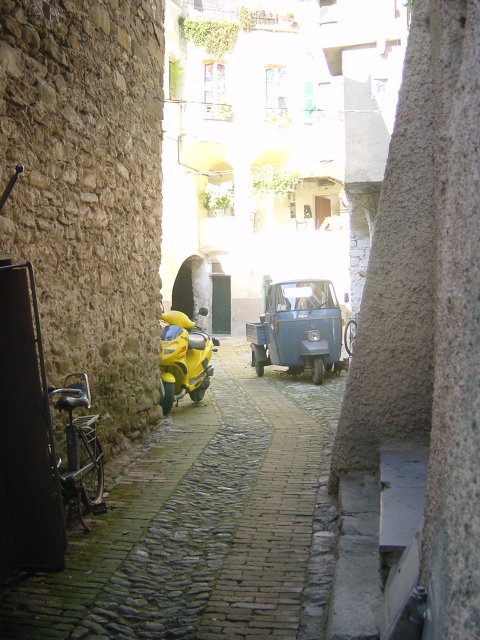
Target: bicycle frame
{"type": "Point", "coordinates": [80, 431]}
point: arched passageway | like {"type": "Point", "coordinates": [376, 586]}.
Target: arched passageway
{"type": "Point", "coordinates": [182, 292]}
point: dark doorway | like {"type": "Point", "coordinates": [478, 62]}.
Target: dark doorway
{"type": "Point", "coordinates": [32, 532]}
{"type": "Point", "coordinates": [323, 209]}
{"type": "Point", "coordinates": [221, 305]}
{"type": "Point", "coordinates": [182, 292]}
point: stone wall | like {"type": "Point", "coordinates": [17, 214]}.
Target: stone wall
{"type": "Point", "coordinates": [415, 374]}
{"type": "Point", "coordinates": [81, 108]}
{"type": "Point", "coordinates": [451, 562]}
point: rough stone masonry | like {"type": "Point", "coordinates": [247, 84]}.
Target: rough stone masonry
{"type": "Point", "coordinates": [81, 108]}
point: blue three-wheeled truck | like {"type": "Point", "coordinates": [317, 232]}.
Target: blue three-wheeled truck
{"type": "Point", "coordinates": [301, 329]}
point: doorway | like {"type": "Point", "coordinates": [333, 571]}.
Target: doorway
{"type": "Point", "coordinates": [221, 304]}
{"type": "Point", "coordinates": [323, 209]}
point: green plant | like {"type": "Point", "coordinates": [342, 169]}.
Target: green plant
{"type": "Point", "coordinates": [269, 178]}
{"type": "Point", "coordinates": [217, 196]}
{"type": "Point", "coordinates": [217, 37]}
{"type": "Point", "coordinates": [246, 19]}
{"type": "Point", "coordinates": [279, 118]}
{"type": "Point", "coordinates": [226, 111]}
{"type": "Point", "coordinates": [175, 71]}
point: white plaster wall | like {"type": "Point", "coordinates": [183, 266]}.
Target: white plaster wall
{"type": "Point", "coordinates": [372, 80]}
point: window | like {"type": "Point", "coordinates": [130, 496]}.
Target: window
{"type": "Point", "coordinates": [214, 83]}
{"type": "Point", "coordinates": [275, 88]}
{"type": "Point", "coordinates": [316, 294]}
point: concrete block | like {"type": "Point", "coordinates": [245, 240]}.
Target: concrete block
{"type": "Point", "coordinates": [354, 608]}
{"type": "Point", "coordinates": [358, 493]}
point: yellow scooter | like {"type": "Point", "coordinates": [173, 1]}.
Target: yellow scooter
{"type": "Point", "coordinates": [186, 354]}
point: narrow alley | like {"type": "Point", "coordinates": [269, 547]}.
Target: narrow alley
{"type": "Point", "coordinates": [219, 525]}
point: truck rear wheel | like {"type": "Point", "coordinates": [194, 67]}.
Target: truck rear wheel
{"type": "Point", "coordinates": [259, 366]}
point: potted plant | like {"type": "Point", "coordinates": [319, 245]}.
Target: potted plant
{"type": "Point", "coordinates": [218, 198]}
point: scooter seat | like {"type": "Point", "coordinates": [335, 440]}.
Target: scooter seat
{"type": "Point", "coordinates": [196, 341]}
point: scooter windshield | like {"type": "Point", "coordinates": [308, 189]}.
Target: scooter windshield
{"type": "Point", "coordinates": [171, 332]}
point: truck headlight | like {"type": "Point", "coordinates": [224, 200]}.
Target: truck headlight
{"type": "Point", "coordinates": [314, 336]}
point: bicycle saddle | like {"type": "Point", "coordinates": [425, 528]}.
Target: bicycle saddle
{"type": "Point", "coordinates": [67, 403]}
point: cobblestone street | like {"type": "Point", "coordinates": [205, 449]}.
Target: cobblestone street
{"type": "Point", "coordinates": [219, 525]}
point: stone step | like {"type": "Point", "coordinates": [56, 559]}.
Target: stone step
{"type": "Point", "coordinates": [355, 605]}
{"type": "Point", "coordinates": [403, 476]}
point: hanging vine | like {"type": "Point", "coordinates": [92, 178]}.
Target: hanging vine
{"type": "Point", "coordinates": [268, 178]}
{"type": "Point", "coordinates": [217, 37]}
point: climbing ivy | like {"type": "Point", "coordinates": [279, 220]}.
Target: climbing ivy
{"type": "Point", "coordinates": [175, 74]}
{"type": "Point", "coordinates": [218, 37]}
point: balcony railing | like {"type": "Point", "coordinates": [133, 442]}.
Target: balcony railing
{"type": "Point", "coordinates": [274, 13]}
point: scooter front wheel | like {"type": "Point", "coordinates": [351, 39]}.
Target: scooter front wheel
{"type": "Point", "coordinates": [197, 395]}
{"type": "Point", "coordinates": [167, 401]}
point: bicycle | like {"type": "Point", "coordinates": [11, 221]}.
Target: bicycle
{"type": "Point", "coordinates": [349, 335]}
{"type": "Point", "coordinates": [82, 479]}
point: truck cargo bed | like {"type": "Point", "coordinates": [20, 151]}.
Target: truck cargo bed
{"type": "Point", "coordinates": [256, 332]}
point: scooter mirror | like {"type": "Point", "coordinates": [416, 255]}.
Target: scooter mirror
{"type": "Point", "coordinates": [203, 311]}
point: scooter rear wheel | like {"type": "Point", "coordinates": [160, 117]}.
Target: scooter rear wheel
{"type": "Point", "coordinates": [197, 395]}
{"type": "Point", "coordinates": [167, 402]}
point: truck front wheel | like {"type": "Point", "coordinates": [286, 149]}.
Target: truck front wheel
{"type": "Point", "coordinates": [318, 371]}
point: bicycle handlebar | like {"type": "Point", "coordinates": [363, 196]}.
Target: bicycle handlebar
{"type": "Point", "coordinates": [11, 183]}
{"type": "Point", "coordinates": [75, 393]}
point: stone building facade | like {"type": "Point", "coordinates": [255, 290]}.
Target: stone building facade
{"type": "Point", "coordinates": [81, 108]}
{"type": "Point", "coordinates": [415, 374]}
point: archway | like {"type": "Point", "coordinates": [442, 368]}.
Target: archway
{"type": "Point", "coordinates": [182, 291]}
{"type": "Point", "coordinates": [192, 288]}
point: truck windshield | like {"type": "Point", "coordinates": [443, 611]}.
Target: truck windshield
{"type": "Point", "coordinates": [310, 294]}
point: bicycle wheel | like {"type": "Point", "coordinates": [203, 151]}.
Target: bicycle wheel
{"type": "Point", "coordinates": [90, 453]}
{"type": "Point", "coordinates": [349, 336]}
